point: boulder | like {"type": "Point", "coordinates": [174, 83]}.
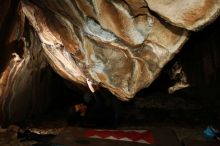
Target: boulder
{"type": "Point", "coordinates": [188, 14]}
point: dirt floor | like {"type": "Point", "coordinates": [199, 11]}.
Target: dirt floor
{"type": "Point", "coordinates": [186, 116]}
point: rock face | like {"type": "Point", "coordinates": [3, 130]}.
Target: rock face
{"type": "Point", "coordinates": [25, 78]}
{"type": "Point", "coordinates": [113, 44]}
{"type": "Point", "coordinates": [118, 45]}
{"type": "Point", "coordinates": [189, 14]}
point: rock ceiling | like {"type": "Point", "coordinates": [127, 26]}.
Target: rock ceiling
{"type": "Point", "coordinates": [121, 45]}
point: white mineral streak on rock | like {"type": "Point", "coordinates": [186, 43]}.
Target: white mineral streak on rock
{"type": "Point", "coordinates": [94, 29]}
{"type": "Point", "coordinates": [90, 85]}
{"type": "Point", "coordinates": [189, 14]}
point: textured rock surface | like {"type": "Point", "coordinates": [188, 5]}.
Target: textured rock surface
{"type": "Point", "coordinates": [114, 44]}
{"type": "Point", "coordinates": [189, 14]}
{"type": "Point", "coordinates": [118, 45]}
{"type": "Point", "coordinates": [25, 79]}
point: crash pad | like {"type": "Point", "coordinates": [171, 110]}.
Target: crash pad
{"type": "Point", "coordinates": [74, 136]}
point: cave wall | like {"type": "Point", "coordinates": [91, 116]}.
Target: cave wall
{"type": "Point", "coordinates": [118, 45]}
{"type": "Point", "coordinates": [25, 79]}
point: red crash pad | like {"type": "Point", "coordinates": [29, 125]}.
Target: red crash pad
{"type": "Point", "coordinates": [73, 136]}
